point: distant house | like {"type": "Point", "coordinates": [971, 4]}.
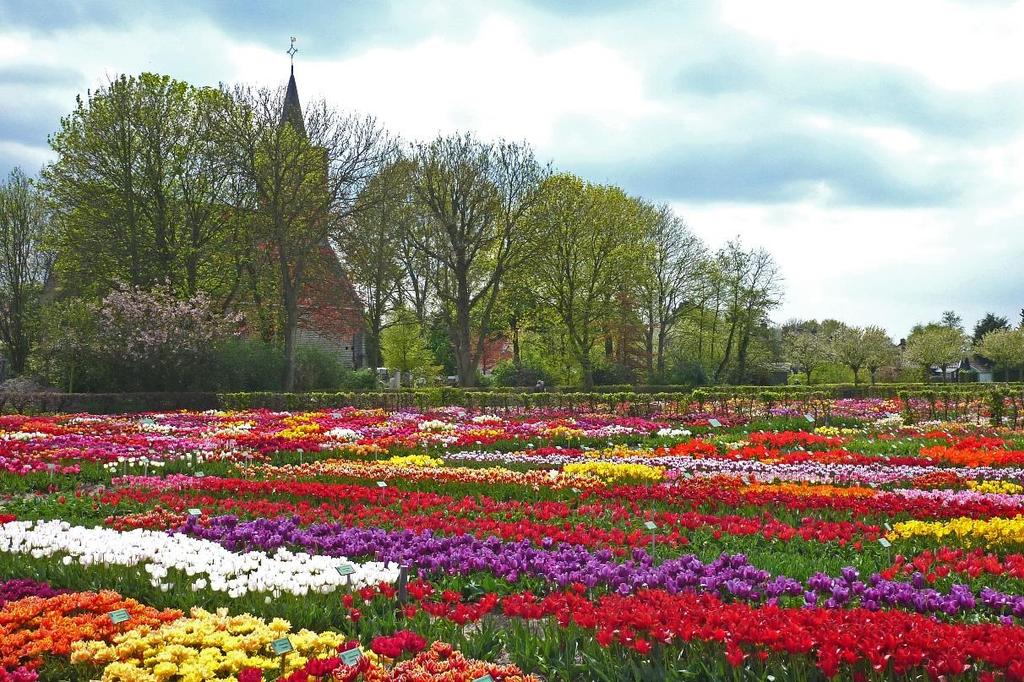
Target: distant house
{"type": "Point", "coordinates": [951, 374]}
{"type": "Point", "coordinates": [981, 367]}
{"type": "Point", "coordinates": [971, 368]}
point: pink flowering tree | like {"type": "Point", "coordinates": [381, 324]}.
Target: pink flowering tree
{"type": "Point", "coordinates": [133, 340]}
{"type": "Point", "coordinates": [155, 340]}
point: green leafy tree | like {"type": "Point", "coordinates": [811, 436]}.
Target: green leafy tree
{"type": "Point", "coordinates": [675, 263]}
{"type": "Point", "coordinates": [850, 349]}
{"type": "Point", "coordinates": [473, 198]}
{"type": "Point", "coordinates": [936, 345]}
{"type": "Point", "coordinates": [805, 351]}
{"type": "Point", "coordinates": [592, 236]}
{"type": "Point", "coordinates": [952, 320]}
{"type": "Point", "coordinates": [1004, 347]}
{"type": "Point", "coordinates": [142, 191]}
{"type": "Point", "coordinates": [405, 349]}
{"type": "Point", "coordinates": [304, 171]}
{"type": "Point", "coordinates": [990, 323]}
{"type": "Point", "coordinates": [24, 264]}
{"type": "Point", "coordinates": [880, 350]}
{"type": "Point", "coordinates": [370, 243]}
{"type": "Point", "coordinates": [751, 287]}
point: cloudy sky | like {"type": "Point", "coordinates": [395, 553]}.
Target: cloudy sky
{"type": "Point", "coordinates": [875, 147]}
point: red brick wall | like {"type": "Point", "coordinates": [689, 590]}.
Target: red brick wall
{"type": "Point", "coordinates": [329, 307]}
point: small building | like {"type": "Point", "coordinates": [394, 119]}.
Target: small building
{"type": "Point", "coordinates": [972, 368]}
{"type": "Point", "coordinates": [981, 368]}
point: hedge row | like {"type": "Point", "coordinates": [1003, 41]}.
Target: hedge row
{"type": "Point", "coordinates": [631, 402]}
{"type": "Point", "coordinates": [921, 401]}
{"type": "Point", "coordinates": [105, 403]}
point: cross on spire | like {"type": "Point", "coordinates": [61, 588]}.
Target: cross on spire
{"type": "Point", "coordinates": [291, 53]}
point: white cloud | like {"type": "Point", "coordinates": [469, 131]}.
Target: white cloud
{"type": "Point", "coordinates": [30, 158]}
{"type": "Point", "coordinates": [496, 84]}
{"type": "Point", "coordinates": [963, 45]}
{"type": "Point", "coordinates": [891, 267]}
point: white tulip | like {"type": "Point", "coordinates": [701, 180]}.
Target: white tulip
{"type": "Point", "coordinates": [214, 566]}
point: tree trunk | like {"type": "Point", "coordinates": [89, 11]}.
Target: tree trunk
{"type": "Point", "coordinates": [291, 324]}
{"type": "Point", "coordinates": [291, 285]}
{"type": "Point", "coordinates": [662, 340]}
{"type": "Point", "coordinates": [588, 371]}
{"type": "Point", "coordinates": [463, 336]}
{"type": "Point", "coordinates": [373, 356]}
{"type": "Point", "coordinates": [728, 353]}
{"type": "Point", "coordinates": [741, 355]}
{"type": "Point", "coordinates": [14, 330]}
{"type": "Point", "coordinates": [649, 350]}
{"type": "Point", "coordinates": [516, 356]}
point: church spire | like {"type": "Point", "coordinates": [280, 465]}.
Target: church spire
{"type": "Point", "coordinates": [292, 109]}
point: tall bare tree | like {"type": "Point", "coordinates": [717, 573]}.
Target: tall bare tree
{"type": "Point", "coordinates": [675, 265]}
{"type": "Point", "coordinates": [306, 170]}
{"type": "Point", "coordinates": [474, 196]}
{"type": "Point", "coordinates": [371, 244]}
{"type": "Point", "coordinates": [24, 265]}
{"type": "Point", "coordinates": [753, 287]}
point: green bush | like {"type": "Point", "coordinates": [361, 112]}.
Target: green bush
{"type": "Point", "coordinates": [317, 369]}
{"type": "Point", "coordinates": [685, 372]}
{"type": "Point", "coordinates": [614, 373]}
{"type": "Point", "coordinates": [359, 380]}
{"type": "Point", "coordinates": [248, 365]}
{"type": "Point", "coordinates": [507, 374]}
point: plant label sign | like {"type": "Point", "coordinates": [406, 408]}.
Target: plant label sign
{"type": "Point", "coordinates": [485, 678]}
{"type": "Point", "coordinates": [884, 543]}
{"type": "Point", "coordinates": [346, 569]}
{"type": "Point", "coordinates": [714, 423]}
{"type": "Point", "coordinates": [809, 417]}
{"type": "Point", "coordinates": [195, 512]}
{"type": "Point", "coordinates": [119, 616]}
{"type": "Point", "coordinates": [651, 525]}
{"type": "Point", "coordinates": [351, 657]}
{"type": "Point", "coordinates": [888, 527]}
{"type": "Point", "coordinates": [382, 484]}
{"type": "Point", "coordinates": [282, 646]}
{"type": "Point", "coordinates": [199, 474]}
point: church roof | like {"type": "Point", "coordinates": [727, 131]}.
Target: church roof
{"type": "Point", "coordinates": [292, 109]}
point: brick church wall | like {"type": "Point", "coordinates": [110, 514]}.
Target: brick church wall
{"type": "Point", "coordinates": [331, 315]}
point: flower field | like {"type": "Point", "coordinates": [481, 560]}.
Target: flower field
{"type": "Point", "coordinates": [541, 544]}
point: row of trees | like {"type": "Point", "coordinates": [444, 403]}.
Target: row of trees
{"type": "Point", "coordinates": [225, 200]}
{"type": "Point", "coordinates": [936, 347]}
{"type": "Point", "coordinates": [809, 345]}
{"type": "Point", "coordinates": [576, 276]}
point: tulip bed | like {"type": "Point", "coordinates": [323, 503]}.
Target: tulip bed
{"type": "Point", "coordinates": [532, 545]}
